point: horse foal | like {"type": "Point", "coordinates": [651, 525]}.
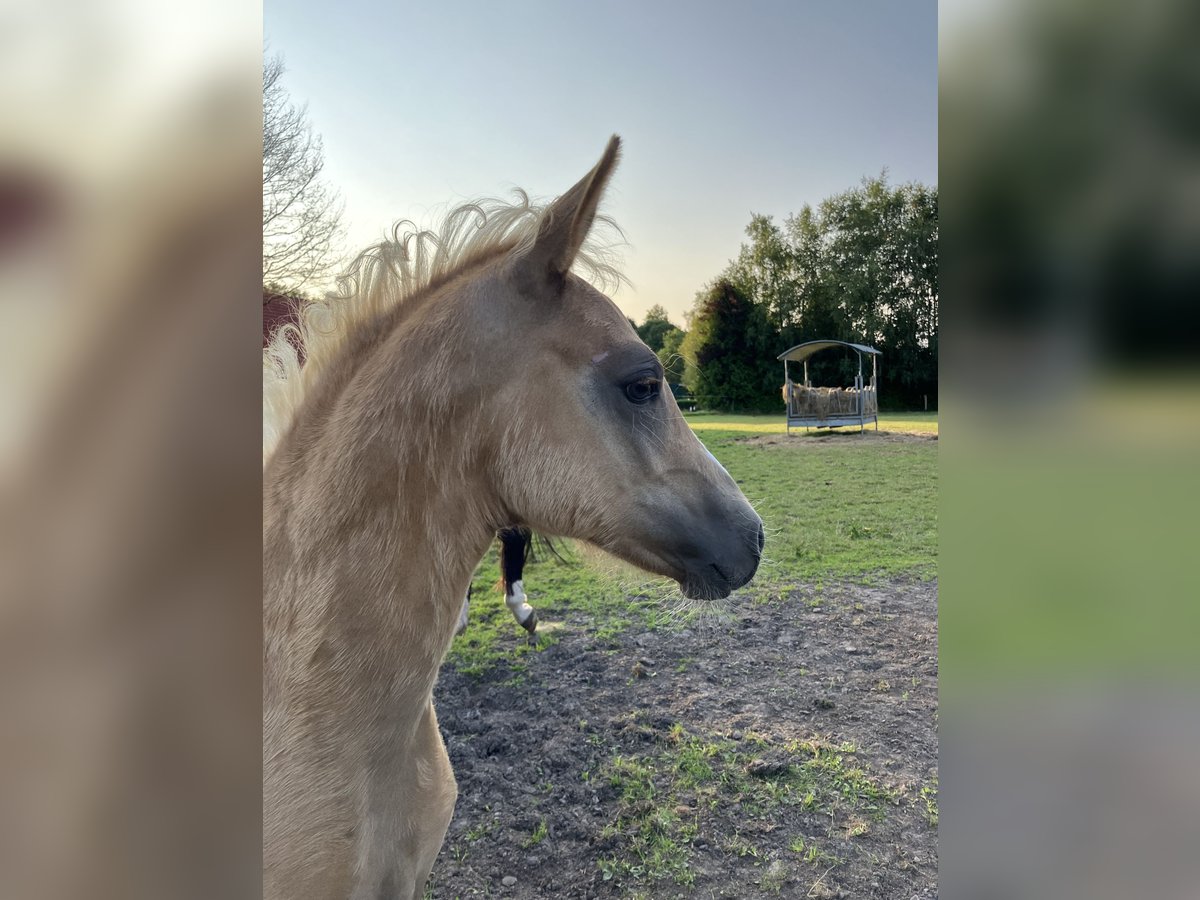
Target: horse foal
{"type": "Point", "coordinates": [387, 475]}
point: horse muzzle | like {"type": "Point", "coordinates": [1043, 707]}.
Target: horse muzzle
{"type": "Point", "coordinates": [722, 566]}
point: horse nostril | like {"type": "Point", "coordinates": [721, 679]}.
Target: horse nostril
{"type": "Point", "coordinates": [762, 539]}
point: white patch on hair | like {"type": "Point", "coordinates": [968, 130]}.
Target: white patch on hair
{"type": "Point", "coordinates": [517, 605]}
{"type": "Point", "coordinates": [600, 357]}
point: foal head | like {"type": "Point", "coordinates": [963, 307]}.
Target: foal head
{"type": "Point", "coordinates": [593, 445]}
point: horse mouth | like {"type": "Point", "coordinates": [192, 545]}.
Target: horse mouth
{"type": "Point", "coordinates": [703, 592]}
{"type": "Point", "coordinates": [714, 585]}
{"type": "Point", "coordinates": [697, 580]}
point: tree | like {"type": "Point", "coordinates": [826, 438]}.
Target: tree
{"type": "Point", "coordinates": [301, 214]}
{"type": "Point", "coordinates": [877, 261]}
{"type": "Point", "coordinates": [766, 269]}
{"type": "Point", "coordinates": [670, 357]}
{"type": "Point", "coordinates": [731, 343]}
{"type": "Point", "coordinates": [862, 267]}
{"type": "Point", "coordinates": [655, 326]}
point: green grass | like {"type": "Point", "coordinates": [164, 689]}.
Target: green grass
{"type": "Point", "coordinates": [539, 834]}
{"type": "Point", "coordinates": [812, 854]}
{"type": "Point", "coordinates": [837, 510]}
{"type": "Point", "coordinates": [1074, 557]}
{"type": "Point", "coordinates": [859, 509]}
{"type": "Point", "coordinates": [663, 796]}
{"type": "Point", "coordinates": [766, 423]}
{"type": "Point", "coordinates": [929, 795]}
{"type": "Point", "coordinates": [554, 588]}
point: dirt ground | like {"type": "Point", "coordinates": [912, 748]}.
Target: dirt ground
{"type": "Point", "coordinates": [789, 753]}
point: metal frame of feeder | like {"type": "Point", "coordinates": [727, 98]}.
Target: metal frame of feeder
{"type": "Point", "coordinates": [801, 408]}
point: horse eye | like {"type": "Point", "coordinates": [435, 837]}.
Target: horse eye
{"type": "Point", "coordinates": [641, 391]}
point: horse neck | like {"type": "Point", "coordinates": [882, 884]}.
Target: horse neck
{"type": "Point", "coordinates": [377, 506]}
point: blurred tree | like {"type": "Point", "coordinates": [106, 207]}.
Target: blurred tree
{"type": "Point", "coordinates": [669, 355]}
{"type": "Point", "coordinates": [655, 326]}
{"type": "Point", "coordinates": [301, 214]}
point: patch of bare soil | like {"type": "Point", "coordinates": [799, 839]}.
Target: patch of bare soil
{"type": "Point", "coordinates": [817, 439]}
{"type": "Point", "coordinates": [839, 686]}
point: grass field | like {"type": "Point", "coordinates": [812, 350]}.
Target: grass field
{"type": "Point", "coordinates": [904, 422]}
{"type": "Point", "coordinates": [835, 507]}
{"type": "Point", "coordinates": [791, 750]}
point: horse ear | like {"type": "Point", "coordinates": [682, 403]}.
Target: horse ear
{"type": "Point", "coordinates": [566, 223]}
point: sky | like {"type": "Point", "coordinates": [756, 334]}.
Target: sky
{"type": "Point", "coordinates": [724, 109]}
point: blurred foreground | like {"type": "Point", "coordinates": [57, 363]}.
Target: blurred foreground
{"type": "Point", "coordinates": [129, 417]}
{"type": "Point", "coordinates": [1070, 167]}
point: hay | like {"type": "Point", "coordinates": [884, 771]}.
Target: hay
{"type": "Point", "coordinates": [827, 403]}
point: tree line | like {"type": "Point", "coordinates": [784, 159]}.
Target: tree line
{"type": "Point", "coordinates": [862, 267]}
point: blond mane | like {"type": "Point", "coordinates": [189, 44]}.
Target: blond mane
{"type": "Point", "coordinates": [395, 270]}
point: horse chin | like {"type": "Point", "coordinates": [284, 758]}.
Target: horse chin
{"type": "Point", "coordinates": [695, 589]}
{"type": "Point", "coordinates": [694, 586]}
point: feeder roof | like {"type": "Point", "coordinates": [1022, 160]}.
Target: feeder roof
{"type": "Point", "coordinates": [802, 352]}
